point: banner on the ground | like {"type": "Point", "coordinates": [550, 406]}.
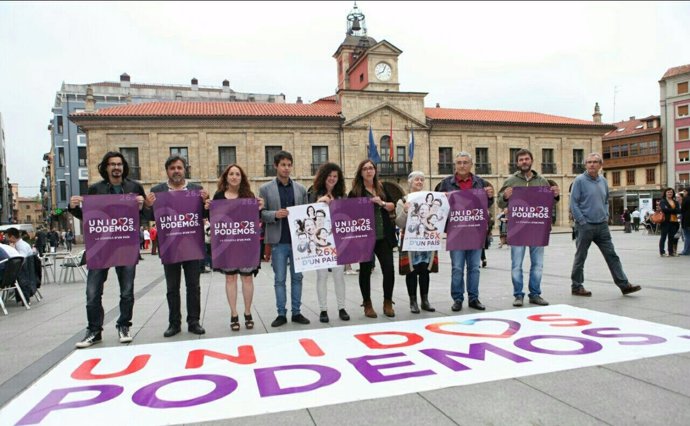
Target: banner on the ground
{"type": "Point", "coordinates": [212, 379]}
{"type": "Point", "coordinates": [111, 230]}
{"type": "Point", "coordinates": [468, 220]}
{"type": "Point", "coordinates": [313, 246]}
{"type": "Point", "coordinates": [235, 233]}
{"type": "Point", "coordinates": [530, 212]}
{"type": "Point", "coordinates": [180, 225]}
{"type": "Point", "coordinates": [354, 229]}
{"type": "Point", "coordinates": [426, 221]}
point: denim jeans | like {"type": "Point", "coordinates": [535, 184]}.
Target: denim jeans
{"type": "Point", "coordinates": [686, 247]}
{"type": "Point", "coordinates": [173, 277]}
{"type": "Point", "coordinates": [458, 259]}
{"type": "Point", "coordinates": [536, 256]}
{"type": "Point", "coordinates": [94, 296]}
{"type": "Point", "coordinates": [280, 253]}
{"type": "Point", "coordinates": [601, 236]}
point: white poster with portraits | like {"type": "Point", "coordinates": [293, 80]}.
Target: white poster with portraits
{"type": "Point", "coordinates": [313, 246]}
{"type": "Point", "coordinates": [426, 221]}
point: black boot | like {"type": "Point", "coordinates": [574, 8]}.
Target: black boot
{"type": "Point", "coordinates": [414, 308]}
{"type": "Point", "coordinates": [426, 305]}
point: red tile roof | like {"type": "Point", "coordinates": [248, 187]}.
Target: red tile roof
{"type": "Point", "coordinates": [478, 115]}
{"type": "Point", "coordinates": [327, 99]}
{"type": "Point", "coordinates": [216, 109]}
{"type": "Point", "coordinates": [672, 72]}
{"type": "Point", "coordinates": [630, 128]}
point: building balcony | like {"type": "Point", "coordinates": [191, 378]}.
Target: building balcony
{"type": "Point", "coordinates": [270, 170]}
{"type": "Point", "coordinates": [482, 168]}
{"type": "Point", "coordinates": [578, 168]}
{"type": "Point", "coordinates": [394, 168]}
{"type": "Point", "coordinates": [446, 168]}
{"type": "Point", "coordinates": [548, 168]}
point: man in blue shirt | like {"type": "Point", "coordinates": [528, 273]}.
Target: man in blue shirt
{"type": "Point", "coordinates": [589, 204]}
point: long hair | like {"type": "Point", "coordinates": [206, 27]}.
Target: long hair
{"type": "Point", "coordinates": [103, 165]}
{"type": "Point", "coordinates": [320, 180]}
{"type": "Point", "coordinates": [245, 191]}
{"type": "Point", "coordinates": [673, 197]}
{"type": "Point", "coordinates": [358, 181]}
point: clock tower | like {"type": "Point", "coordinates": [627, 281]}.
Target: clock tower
{"type": "Point", "coordinates": [364, 63]}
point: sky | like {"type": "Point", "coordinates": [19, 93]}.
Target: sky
{"type": "Point", "coordinates": [549, 57]}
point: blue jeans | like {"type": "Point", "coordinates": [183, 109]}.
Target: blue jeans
{"type": "Point", "coordinates": [536, 256]}
{"type": "Point", "coordinates": [94, 296]}
{"type": "Point", "coordinates": [458, 259]}
{"type": "Point", "coordinates": [599, 234]}
{"type": "Point", "coordinates": [280, 253]}
{"type": "Point", "coordinates": [686, 247]}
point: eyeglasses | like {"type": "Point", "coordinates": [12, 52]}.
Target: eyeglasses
{"type": "Point", "coordinates": [115, 164]}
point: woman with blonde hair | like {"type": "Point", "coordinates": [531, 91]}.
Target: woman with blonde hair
{"type": "Point", "coordinates": [367, 184]}
{"type": "Point", "coordinates": [233, 184]}
{"type": "Point", "coordinates": [415, 265]}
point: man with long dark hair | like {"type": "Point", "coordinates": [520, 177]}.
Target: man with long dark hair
{"type": "Point", "coordinates": [114, 170]}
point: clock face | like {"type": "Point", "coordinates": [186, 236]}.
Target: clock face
{"type": "Point", "coordinates": [383, 71]}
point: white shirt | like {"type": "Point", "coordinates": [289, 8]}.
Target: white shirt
{"type": "Point", "coordinates": [635, 214]}
{"type": "Point", "coordinates": [23, 248]}
{"type": "Point", "coordinates": [11, 252]}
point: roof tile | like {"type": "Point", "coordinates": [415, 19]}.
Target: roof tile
{"type": "Point", "coordinates": [478, 115]}
{"type": "Point", "coordinates": [672, 72]}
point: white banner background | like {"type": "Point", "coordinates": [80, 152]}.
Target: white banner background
{"type": "Point", "coordinates": [393, 363]}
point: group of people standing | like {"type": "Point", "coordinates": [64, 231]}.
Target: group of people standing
{"type": "Point", "coordinates": [589, 201]}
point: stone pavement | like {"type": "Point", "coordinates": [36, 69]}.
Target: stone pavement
{"type": "Point", "coordinates": [647, 391]}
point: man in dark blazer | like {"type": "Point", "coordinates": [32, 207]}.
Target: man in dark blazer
{"type": "Point", "coordinates": [175, 167]}
{"type": "Point", "coordinates": [278, 195]}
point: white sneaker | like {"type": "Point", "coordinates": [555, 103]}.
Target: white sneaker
{"type": "Point", "coordinates": [123, 332]}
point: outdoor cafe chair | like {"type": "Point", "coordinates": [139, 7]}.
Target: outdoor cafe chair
{"type": "Point", "coordinates": [13, 266]}
{"type": "Point", "coordinates": [72, 262]}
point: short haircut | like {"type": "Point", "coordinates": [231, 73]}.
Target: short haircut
{"type": "Point", "coordinates": [464, 154]}
{"type": "Point", "coordinates": [12, 232]}
{"type": "Point", "coordinates": [282, 155]}
{"type": "Point", "coordinates": [597, 155]}
{"type": "Point", "coordinates": [522, 152]}
{"type": "Point", "coordinates": [414, 175]}
{"type": "Point", "coordinates": [174, 158]}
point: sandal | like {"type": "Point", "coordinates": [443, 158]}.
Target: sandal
{"type": "Point", "coordinates": [235, 323]}
{"type": "Point", "coordinates": [248, 321]}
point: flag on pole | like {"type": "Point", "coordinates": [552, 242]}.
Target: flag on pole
{"type": "Point", "coordinates": [410, 149]}
{"type": "Point", "coordinates": [373, 152]}
{"type": "Point", "coordinates": [390, 141]}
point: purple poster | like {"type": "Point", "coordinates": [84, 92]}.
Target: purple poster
{"type": "Point", "coordinates": [180, 223]}
{"type": "Point", "coordinates": [468, 221]}
{"type": "Point", "coordinates": [111, 230]}
{"type": "Point", "coordinates": [353, 229]}
{"type": "Point", "coordinates": [235, 233]}
{"type": "Point", "coordinates": [529, 216]}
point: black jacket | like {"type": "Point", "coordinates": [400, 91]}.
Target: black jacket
{"type": "Point", "coordinates": [163, 187]}
{"type": "Point", "coordinates": [388, 223]}
{"type": "Point", "coordinates": [104, 188]}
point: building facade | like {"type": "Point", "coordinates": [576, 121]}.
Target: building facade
{"type": "Point", "coordinates": [69, 144]}
{"type": "Point", "coordinates": [29, 210]}
{"type": "Point", "coordinates": [675, 121]}
{"type": "Point", "coordinates": [5, 188]}
{"type": "Point", "coordinates": [336, 128]}
{"type": "Point", "coordinates": [633, 157]}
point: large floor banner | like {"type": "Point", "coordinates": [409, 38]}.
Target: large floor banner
{"type": "Point", "coordinates": [212, 379]}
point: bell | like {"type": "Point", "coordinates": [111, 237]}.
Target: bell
{"type": "Point", "coordinates": [355, 25]}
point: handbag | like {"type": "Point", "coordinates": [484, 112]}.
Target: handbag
{"type": "Point", "coordinates": [657, 217]}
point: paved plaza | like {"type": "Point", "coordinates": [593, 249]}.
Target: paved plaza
{"type": "Point", "coordinates": [647, 391]}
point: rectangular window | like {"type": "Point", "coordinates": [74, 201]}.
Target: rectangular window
{"type": "Point", "coordinates": [634, 149]}
{"type": "Point", "coordinates": [481, 161]}
{"type": "Point", "coordinates": [683, 134]}
{"type": "Point", "coordinates": [683, 156]}
{"type": "Point", "coordinates": [578, 161]}
{"type": "Point", "coordinates": [82, 156]}
{"type": "Point", "coordinates": [683, 178]}
{"type": "Point", "coordinates": [63, 190]}
{"type": "Point", "coordinates": [644, 148]}
{"type": "Point", "coordinates": [615, 151]}
{"type": "Point", "coordinates": [445, 161]}
{"type": "Point", "coordinates": [385, 149]}
{"type": "Point", "coordinates": [606, 152]}
{"type": "Point", "coordinates": [548, 166]}
{"type": "Point", "coordinates": [59, 124]}
{"type": "Point", "coordinates": [616, 176]}
{"type": "Point", "coordinates": [682, 87]}
{"type": "Point", "coordinates": [270, 152]}
{"type": "Point", "coordinates": [630, 177]}
{"type": "Point", "coordinates": [132, 157]}
{"type": "Point", "coordinates": [624, 150]}
{"type": "Point", "coordinates": [512, 162]}
{"type": "Point", "coordinates": [226, 155]}
{"type": "Point", "coordinates": [61, 157]}
{"type": "Point", "coordinates": [650, 175]}
{"type": "Point", "coordinates": [79, 129]}
{"type": "Point", "coordinates": [653, 147]}
{"type": "Point", "coordinates": [682, 111]}
{"type": "Point", "coordinates": [83, 187]}
{"type": "Point", "coordinates": [183, 152]}
{"type": "Point", "coordinates": [319, 156]}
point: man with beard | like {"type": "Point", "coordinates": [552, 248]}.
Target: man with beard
{"type": "Point", "coordinates": [525, 176]}
{"type": "Point", "coordinates": [175, 167]}
{"type": "Point", "coordinates": [114, 169]}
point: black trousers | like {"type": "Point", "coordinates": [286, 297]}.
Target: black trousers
{"type": "Point", "coordinates": [173, 276]}
{"type": "Point", "coordinates": [384, 252]}
{"type": "Point", "coordinates": [421, 272]}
